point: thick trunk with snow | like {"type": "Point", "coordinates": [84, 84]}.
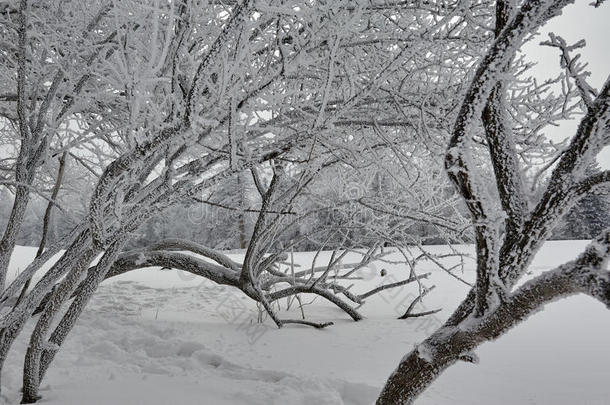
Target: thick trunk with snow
{"type": "Point", "coordinates": [509, 232]}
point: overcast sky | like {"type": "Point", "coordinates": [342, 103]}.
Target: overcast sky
{"type": "Point", "coordinates": [579, 21]}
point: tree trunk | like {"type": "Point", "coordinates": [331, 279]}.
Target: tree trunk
{"type": "Point", "coordinates": [9, 239]}
{"type": "Point", "coordinates": [7, 337]}
{"type": "Point", "coordinates": [19, 315]}
{"type": "Point", "coordinates": [31, 367]}
{"type": "Point", "coordinates": [46, 220]}
{"type": "Point", "coordinates": [243, 205]}
{"type": "Point", "coordinates": [418, 369]}
{"type": "Point", "coordinates": [89, 286]}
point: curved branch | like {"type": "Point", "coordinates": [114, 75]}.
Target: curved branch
{"type": "Point", "coordinates": [316, 325]}
{"type": "Point", "coordinates": [318, 291]}
{"type": "Point", "coordinates": [187, 245]}
{"type": "Point", "coordinates": [157, 258]}
{"type": "Point", "coordinates": [409, 312]}
{"type": "Point", "coordinates": [393, 285]}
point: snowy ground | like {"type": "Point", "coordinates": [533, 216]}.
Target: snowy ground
{"type": "Point", "coordinates": [164, 337]}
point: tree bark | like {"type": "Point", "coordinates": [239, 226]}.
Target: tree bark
{"type": "Point", "coordinates": [421, 367]}
{"type": "Point", "coordinates": [31, 367]}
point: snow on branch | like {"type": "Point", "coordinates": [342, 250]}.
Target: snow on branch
{"type": "Point", "coordinates": [575, 69]}
{"type": "Point", "coordinates": [588, 274]}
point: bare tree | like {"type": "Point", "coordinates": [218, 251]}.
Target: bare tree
{"type": "Point", "coordinates": [172, 99]}
{"type": "Point", "coordinates": [40, 90]}
{"type": "Point", "coordinates": [182, 95]}
{"type": "Point", "coordinates": [508, 230]}
{"type": "Point", "coordinates": [47, 75]}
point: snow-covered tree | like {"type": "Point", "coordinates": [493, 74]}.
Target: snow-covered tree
{"type": "Point", "coordinates": [171, 99]}
{"type": "Point", "coordinates": [49, 58]}
{"type": "Point", "coordinates": [166, 103]}
{"type": "Point", "coordinates": [509, 228]}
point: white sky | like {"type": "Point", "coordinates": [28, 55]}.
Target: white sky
{"type": "Point", "coordinates": [579, 21]}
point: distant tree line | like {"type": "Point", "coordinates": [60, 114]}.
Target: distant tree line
{"type": "Point", "coordinates": [225, 219]}
{"type": "Point", "coordinates": [588, 217]}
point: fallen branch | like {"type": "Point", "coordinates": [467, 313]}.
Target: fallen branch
{"type": "Point", "coordinates": [393, 285]}
{"type": "Point", "coordinates": [408, 313]}
{"type": "Point", "coordinates": [308, 323]}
